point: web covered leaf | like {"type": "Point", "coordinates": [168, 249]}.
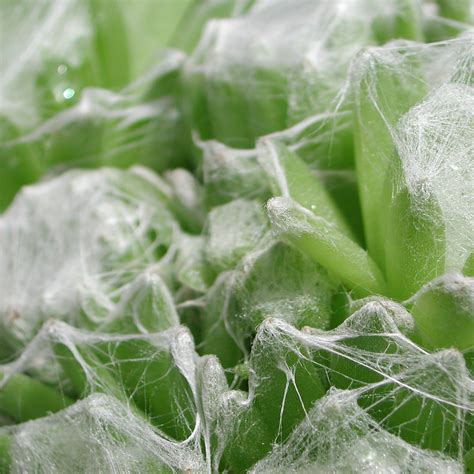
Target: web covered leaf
{"type": "Point", "coordinates": [72, 244]}
{"type": "Point", "coordinates": [281, 63]}
{"type": "Point", "coordinates": [413, 154]}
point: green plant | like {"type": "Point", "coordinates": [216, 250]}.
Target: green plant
{"type": "Point", "coordinates": [258, 255]}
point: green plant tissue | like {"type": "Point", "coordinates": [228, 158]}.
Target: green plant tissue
{"type": "Point", "coordinates": [236, 236]}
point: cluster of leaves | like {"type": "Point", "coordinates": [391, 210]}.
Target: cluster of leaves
{"type": "Point", "coordinates": [268, 264]}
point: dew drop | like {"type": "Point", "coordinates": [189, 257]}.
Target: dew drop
{"type": "Point", "coordinates": [68, 93]}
